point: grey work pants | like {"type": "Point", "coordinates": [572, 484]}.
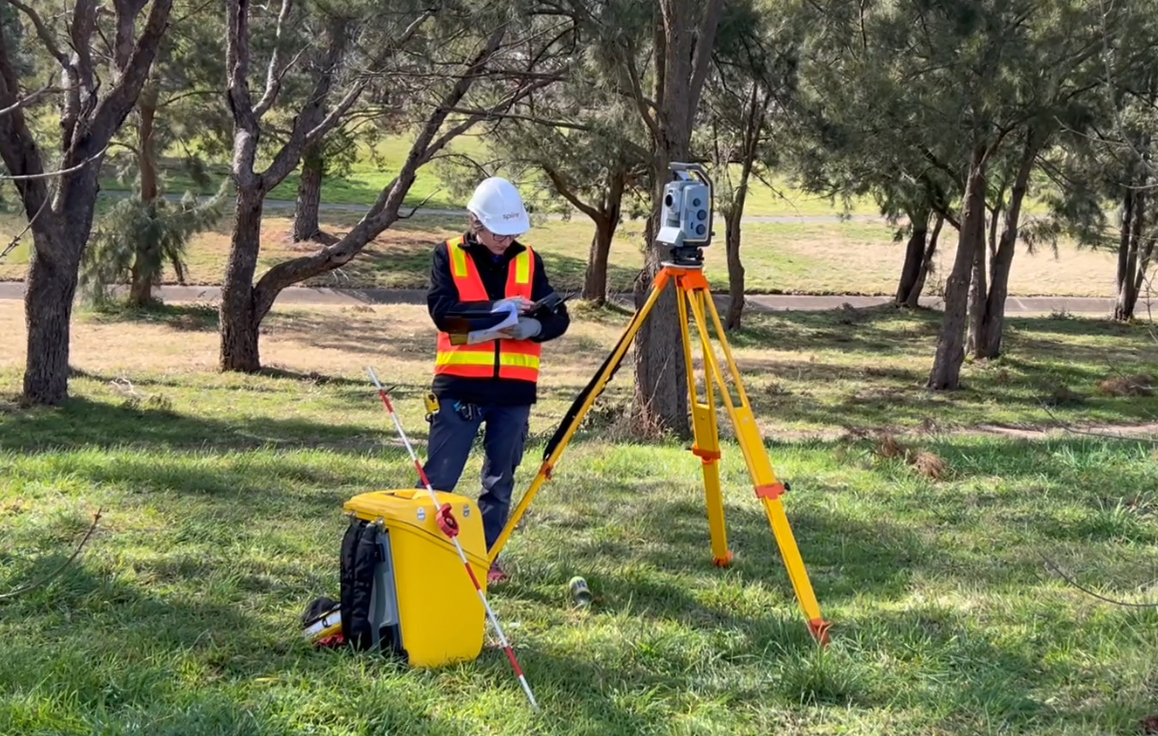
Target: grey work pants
{"type": "Point", "coordinates": [451, 438]}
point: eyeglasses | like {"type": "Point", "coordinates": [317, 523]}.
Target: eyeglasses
{"type": "Point", "coordinates": [501, 238]}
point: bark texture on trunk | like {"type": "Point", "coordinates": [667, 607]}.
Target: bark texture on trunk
{"type": "Point", "coordinates": [914, 299]}
{"type": "Point", "coordinates": [1145, 254]}
{"type": "Point", "coordinates": [661, 402]}
{"type": "Point", "coordinates": [1129, 251]}
{"type": "Point", "coordinates": [238, 314]}
{"type": "Point", "coordinates": [605, 215]}
{"type": "Point", "coordinates": [914, 257]}
{"type": "Point", "coordinates": [946, 372]}
{"type": "Point", "coordinates": [595, 279]}
{"type": "Point", "coordinates": [309, 201]}
{"type": "Point", "coordinates": [978, 289]}
{"type": "Point", "coordinates": [735, 270]}
{"type": "Point", "coordinates": [734, 212]}
{"type": "Point", "coordinates": [141, 277]}
{"type": "Point", "coordinates": [50, 288]}
{"type": "Point", "coordinates": [684, 38]}
{"type": "Point", "coordinates": [992, 328]}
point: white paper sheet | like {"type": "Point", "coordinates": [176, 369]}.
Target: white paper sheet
{"type": "Point", "coordinates": [492, 333]}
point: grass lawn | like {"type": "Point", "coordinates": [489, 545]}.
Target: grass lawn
{"type": "Point", "coordinates": [854, 257]}
{"type": "Point", "coordinates": [222, 516]}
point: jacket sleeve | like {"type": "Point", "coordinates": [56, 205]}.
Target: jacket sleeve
{"type": "Point", "coordinates": [555, 324]}
{"type": "Point", "coordinates": [442, 296]}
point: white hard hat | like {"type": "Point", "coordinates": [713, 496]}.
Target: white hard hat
{"type": "Point", "coordinates": [497, 204]}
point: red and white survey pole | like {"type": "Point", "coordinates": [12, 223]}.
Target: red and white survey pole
{"type": "Point", "coordinates": [449, 526]}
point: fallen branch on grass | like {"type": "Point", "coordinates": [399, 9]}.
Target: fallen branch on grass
{"type": "Point", "coordinates": [1050, 564]}
{"type": "Point", "coordinates": [56, 573]}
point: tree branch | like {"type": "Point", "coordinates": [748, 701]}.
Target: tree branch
{"type": "Point", "coordinates": [127, 11]}
{"type": "Point", "coordinates": [702, 58]}
{"type": "Point", "coordinates": [30, 99]}
{"type": "Point", "coordinates": [123, 97]}
{"type": "Point", "coordinates": [17, 145]}
{"type": "Point", "coordinates": [273, 77]}
{"type": "Point", "coordinates": [42, 32]}
{"type": "Point", "coordinates": [81, 29]}
{"type": "Point", "coordinates": [384, 212]}
{"type": "Point", "coordinates": [55, 573]}
{"type": "Point", "coordinates": [309, 119]}
{"type": "Point", "coordinates": [57, 173]}
{"type": "Point", "coordinates": [1126, 604]}
{"type": "Point", "coordinates": [644, 104]}
{"type": "Point", "coordinates": [493, 112]}
{"type": "Point", "coordinates": [568, 194]}
{"type": "Point", "coordinates": [246, 133]}
{"type": "Point", "coordinates": [546, 122]}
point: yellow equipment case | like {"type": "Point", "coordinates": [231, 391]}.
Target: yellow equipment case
{"type": "Point", "coordinates": [421, 603]}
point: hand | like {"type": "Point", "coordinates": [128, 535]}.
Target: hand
{"type": "Point", "coordinates": [524, 330]}
{"type": "Point", "coordinates": [522, 305]}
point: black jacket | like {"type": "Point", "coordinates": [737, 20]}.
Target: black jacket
{"type": "Point", "coordinates": [443, 297]}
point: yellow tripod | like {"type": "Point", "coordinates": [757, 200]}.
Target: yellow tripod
{"type": "Point", "coordinates": [693, 292]}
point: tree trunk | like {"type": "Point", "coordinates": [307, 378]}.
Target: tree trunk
{"type": "Point", "coordinates": [946, 372]}
{"type": "Point", "coordinates": [1146, 251]}
{"type": "Point", "coordinates": [995, 217]}
{"type": "Point", "coordinates": [914, 256]}
{"type": "Point", "coordinates": [1128, 258]}
{"type": "Point", "coordinates": [684, 36]}
{"type": "Point", "coordinates": [595, 281]}
{"type": "Point", "coordinates": [141, 276]}
{"type": "Point", "coordinates": [60, 235]}
{"type": "Point", "coordinates": [309, 202]}
{"type": "Point", "coordinates": [238, 313]}
{"type": "Point", "coordinates": [914, 299]}
{"type": "Point", "coordinates": [661, 402]}
{"type": "Point", "coordinates": [140, 283]}
{"type": "Point", "coordinates": [978, 289]}
{"type": "Point", "coordinates": [50, 289]}
{"type": "Point", "coordinates": [732, 218]}
{"type": "Point", "coordinates": [993, 324]}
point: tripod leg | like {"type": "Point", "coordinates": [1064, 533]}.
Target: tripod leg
{"type": "Point", "coordinates": [768, 488]}
{"type": "Point", "coordinates": [594, 389]}
{"type": "Point", "coordinates": [707, 440]}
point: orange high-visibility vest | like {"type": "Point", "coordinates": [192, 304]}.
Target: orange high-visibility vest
{"type": "Point", "coordinates": [503, 358]}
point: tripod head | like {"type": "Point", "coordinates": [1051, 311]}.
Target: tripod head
{"type": "Point", "coordinates": [686, 215]}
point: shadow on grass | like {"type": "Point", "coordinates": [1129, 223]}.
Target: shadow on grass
{"type": "Point", "coordinates": [405, 342]}
{"type": "Point", "coordinates": [182, 317]}
{"type": "Point", "coordinates": [83, 423]}
{"type": "Point", "coordinates": [115, 655]}
{"type": "Point", "coordinates": [868, 331]}
{"type": "Point", "coordinates": [834, 328]}
{"type": "Point", "coordinates": [119, 652]}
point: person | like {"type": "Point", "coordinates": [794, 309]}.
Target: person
{"type": "Point", "coordinates": [495, 382]}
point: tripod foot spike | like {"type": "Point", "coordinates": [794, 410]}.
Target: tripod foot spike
{"type": "Point", "coordinates": [819, 629]}
{"type": "Point", "coordinates": [723, 561]}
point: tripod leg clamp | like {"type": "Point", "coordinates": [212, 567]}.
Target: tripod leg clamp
{"type": "Point", "coordinates": [770, 492]}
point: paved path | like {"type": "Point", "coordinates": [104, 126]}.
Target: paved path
{"type": "Point", "coordinates": [299, 295]}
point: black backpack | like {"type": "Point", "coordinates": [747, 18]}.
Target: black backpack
{"type": "Point", "coordinates": [361, 554]}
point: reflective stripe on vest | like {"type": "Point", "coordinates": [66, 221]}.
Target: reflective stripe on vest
{"type": "Point", "coordinates": [503, 358]}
